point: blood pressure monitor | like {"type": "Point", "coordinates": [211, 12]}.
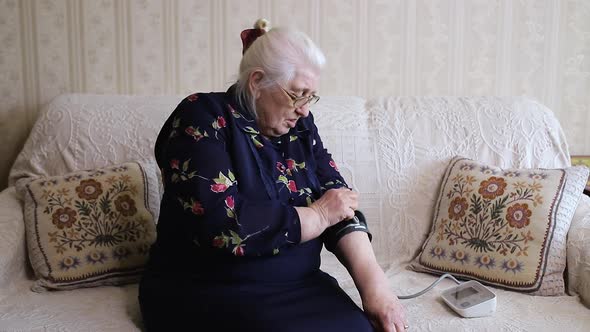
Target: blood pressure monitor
{"type": "Point", "coordinates": [470, 299]}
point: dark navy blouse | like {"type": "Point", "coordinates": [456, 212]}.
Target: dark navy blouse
{"type": "Point", "coordinates": [227, 211]}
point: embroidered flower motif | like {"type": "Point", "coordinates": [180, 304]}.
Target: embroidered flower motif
{"type": "Point", "coordinates": [437, 252]}
{"type": "Point", "coordinates": [229, 202]}
{"type": "Point", "coordinates": [193, 97]}
{"type": "Point", "coordinates": [174, 164]}
{"type": "Point", "coordinates": [193, 205]}
{"type": "Point", "coordinates": [292, 186]}
{"type": "Point", "coordinates": [233, 112]}
{"type": "Point", "coordinates": [197, 208]}
{"type": "Point", "coordinates": [512, 265]}
{"type": "Point", "coordinates": [70, 262]}
{"type": "Point", "coordinates": [96, 257]}
{"type": "Point", "coordinates": [487, 170]}
{"type": "Point", "coordinates": [219, 123]}
{"type": "Point", "coordinates": [125, 205]}
{"type": "Point", "coordinates": [518, 215]}
{"type": "Point", "coordinates": [280, 167]}
{"type": "Point", "coordinates": [257, 143]}
{"type": "Point", "coordinates": [64, 217]}
{"type": "Point", "coordinates": [291, 164]}
{"type": "Point", "coordinates": [492, 187]}
{"type": "Point", "coordinates": [457, 208]}
{"type": "Point", "coordinates": [222, 182]}
{"type": "Point", "coordinates": [467, 167]}
{"type": "Point", "coordinates": [48, 183]}
{"type": "Point", "coordinates": [121, 252]}
{"type": "Point", "coordinates": [485, 261]}
{"type": "Point", "coordinates": [218, 187]}
{"type": "Point", "coordinates": [195, 133]}
{"type": "Point", "coordinates": [459, 256]}
{"type": "Point", "coordinates": [89, 189]}
{"type": "Point", "coordinates": [511, 174]}
{"type": "Point", "coordinates": [219, 241]}
{"type": "Point", "coordinates": [538, 176]}
{"type": "Point", "coordinates": [175, 125]}
{"type": "Point", "coordinates": [74, 177]}
{"type": "Point", "coordinates": [333, 165]}
{"type": "Point", "coordinates": [238, 250]}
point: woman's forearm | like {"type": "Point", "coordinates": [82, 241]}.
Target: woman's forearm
{"type": "Point", "coordinates": [355, 252]}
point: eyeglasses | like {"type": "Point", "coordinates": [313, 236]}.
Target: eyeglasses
{"type": "Point", "coordinates": [300, 101]}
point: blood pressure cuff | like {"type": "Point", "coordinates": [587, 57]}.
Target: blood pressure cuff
{"type": "Point", "coordinates": [334, 233]}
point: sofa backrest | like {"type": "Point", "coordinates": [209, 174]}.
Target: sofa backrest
{"type": "Point", "coordinates": [392, 150]}
{"type": "Point", "coordinates": [395, 150]}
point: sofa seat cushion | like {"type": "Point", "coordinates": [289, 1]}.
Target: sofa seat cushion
{"type": "Point", "coordinates": [106, 309]}
{"type": "Point", "coordinates": [77, 310]}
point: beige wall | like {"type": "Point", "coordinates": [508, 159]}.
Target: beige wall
{"type": "Point", "coordinates": [539, 48]}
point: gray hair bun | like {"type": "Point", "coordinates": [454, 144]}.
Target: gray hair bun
{"type": "Point", "coordinates": [263, 24]}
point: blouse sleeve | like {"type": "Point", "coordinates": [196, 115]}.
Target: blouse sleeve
{"type": "Point", "coordinates": [330, 178]}
{"type": "Point", "coordinates": [198, 172]}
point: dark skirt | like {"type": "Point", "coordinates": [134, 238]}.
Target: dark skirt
{"type": "Point", "coordinates": [315, 303]}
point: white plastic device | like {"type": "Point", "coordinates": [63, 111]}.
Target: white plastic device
{"type": "Point", "coordinates": [470, 299]}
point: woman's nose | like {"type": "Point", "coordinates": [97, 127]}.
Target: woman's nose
{"type": "Point", "coordinates": [303, 111]}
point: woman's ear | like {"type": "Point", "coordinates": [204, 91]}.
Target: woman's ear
{"type": "Point", "coordinates": [255, 82]}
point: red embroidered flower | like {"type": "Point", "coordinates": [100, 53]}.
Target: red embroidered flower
{"type": "Point", "coordinates": [220, 122]}
{"type": "Point", "coordinates": [64, 217]}
{"type": "Point", "coordinates": [89, 189]}
{"type": "Point", "coordinates": [193, 97]}
{"type": "Point", "coordinates": [218, 242]}
{"type": "Point", "coordinates": [190, 131]}
{"type": "Point", "coordinates": [291, 164]}
{"type": "Point", "coordinates": [292, 186]}
{"type": "Point", "coordinates": [518, 215]}
{"type": "Point", "coordinates": [125, 205]}
{"type": "Point", "coordinates": [457, 208]}
{"type": "Point", "coordinates": [238, 251]}
{"type": "Point", "coordinates": [197, 208]}
{"type": "Point", "coordinates": [174, 163]}
{"type": "Point", "coordinates": [218, 187]}
{"type": "Point", "coordinates": [333, 164]}
{"type": "Point", "coordinates": [229, 202]}
{"type": "Point", "coordinates": [492, 187]}
{"type": "Point", "coordinates": [281, 167]}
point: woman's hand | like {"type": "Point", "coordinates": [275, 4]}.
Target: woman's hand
{"type": "Point", "coordinates": [381, 306]}
{"type": "Point", "coordinates": [336, 205]}
{"type": "Point", "coordinates": [384, 309]}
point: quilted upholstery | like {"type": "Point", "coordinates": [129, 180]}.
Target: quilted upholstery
{"type": "Point", "coordinates": [392, 150]}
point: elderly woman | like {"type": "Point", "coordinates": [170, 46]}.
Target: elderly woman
{"type": "Point", "coordinates": [250, 197]}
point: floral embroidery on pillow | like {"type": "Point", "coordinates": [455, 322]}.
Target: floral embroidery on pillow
{"type": "Point", "coordinates": [89, 228]}
{"type": "Point", "coordinates": [499, 226]}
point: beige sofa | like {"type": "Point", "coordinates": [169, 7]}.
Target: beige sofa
{"type": "Point", "coordinates": [392, 150]}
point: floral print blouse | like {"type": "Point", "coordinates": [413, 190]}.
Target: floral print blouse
{"type": "Point", "coordinates": [230, 191]}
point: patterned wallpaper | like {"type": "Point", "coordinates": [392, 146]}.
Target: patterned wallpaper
{"type": "Point", "coordinates": [539, 48]}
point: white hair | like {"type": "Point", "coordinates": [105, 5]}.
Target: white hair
{"type": "Point", "coordinates": [279, 52]}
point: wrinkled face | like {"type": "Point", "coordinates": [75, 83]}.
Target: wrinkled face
{"type": "Point", "coordinates": [276, 115]}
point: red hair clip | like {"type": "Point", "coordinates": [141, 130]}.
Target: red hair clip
{"type": "Point", "coordinates": [250, 35]}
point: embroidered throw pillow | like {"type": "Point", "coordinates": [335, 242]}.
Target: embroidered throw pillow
{"type": "Point", "coordinates": [503, 227]}
{"type": "Point", "coordinates": [90, 228]}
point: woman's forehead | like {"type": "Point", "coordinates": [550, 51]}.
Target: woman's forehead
{"type": "Point", "coordinates": [305, 79]}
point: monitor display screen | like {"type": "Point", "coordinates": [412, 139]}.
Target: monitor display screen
{"type": "Point", "coordinates": [466, 292]}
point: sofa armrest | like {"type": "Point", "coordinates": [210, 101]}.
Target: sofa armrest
{"type": "Point", "coordinates": [13, 254]}
{"type": "Point", "coordinates": [578, 252]}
